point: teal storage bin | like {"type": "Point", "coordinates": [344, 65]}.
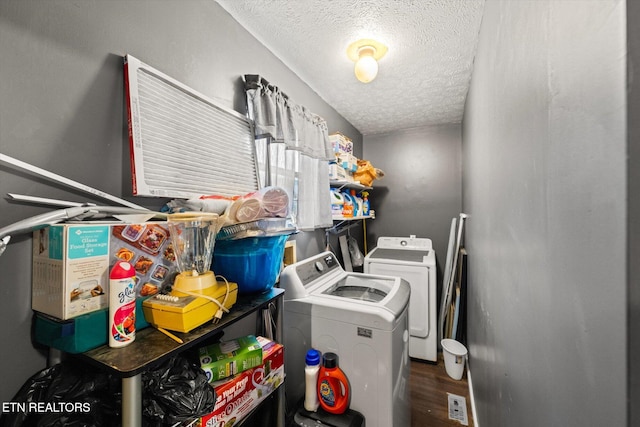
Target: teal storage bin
{"type": "Point", "coordinates": [81, 333]}
{"type": "Point", "coordinates": [253, 263]}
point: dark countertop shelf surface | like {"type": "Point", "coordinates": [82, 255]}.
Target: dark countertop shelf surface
{"type": "Point", "coordinates": [151, 347]}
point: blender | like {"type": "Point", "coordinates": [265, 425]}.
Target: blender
{"type": "Point", "coordinates": [196, 297]}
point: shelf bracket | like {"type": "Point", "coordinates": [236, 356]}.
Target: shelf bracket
{"type": "Point", "coordinates": [340, 228]}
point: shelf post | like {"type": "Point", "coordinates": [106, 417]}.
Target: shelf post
{"type": "Point", "coordinates": [132, 401]}
{"type": "Point", "coordinates": [280, 338]}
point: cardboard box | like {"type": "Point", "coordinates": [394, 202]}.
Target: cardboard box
{"type": "Point", "coordinates": [236, 397]}
{"type": "Point", "coordinates": [349, 162]}
{"type": "Point", "coordinates": [341, 143]}
{"type": "Point", "coordinates": [337, 172]}
{"type": "Point", "coordinates": [72, 261]}
{"type": "Point", "coordinates": [228, 358]}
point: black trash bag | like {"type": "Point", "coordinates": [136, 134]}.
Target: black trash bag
{"type": "Point", "coordinates": [175, 392]}
{"type": "Point", "coordinates": [65, 394]}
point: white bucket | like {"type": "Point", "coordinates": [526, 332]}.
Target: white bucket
{"type": "Point", "coordinates": [454, 354]}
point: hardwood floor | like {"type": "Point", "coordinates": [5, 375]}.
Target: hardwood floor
{"type": "Point", "coordinates": [429, 387]}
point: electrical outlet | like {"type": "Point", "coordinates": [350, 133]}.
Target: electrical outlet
{"type": "Point", "coordinates": [458, 409]}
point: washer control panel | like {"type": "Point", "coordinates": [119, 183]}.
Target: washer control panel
{"type": "Point", "coordinates": [316, 267]}
{"type": "Point", "coordinates": [411, 242]}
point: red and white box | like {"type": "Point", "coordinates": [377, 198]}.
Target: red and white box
{"type": "Point", "coordinates": [236, 397]}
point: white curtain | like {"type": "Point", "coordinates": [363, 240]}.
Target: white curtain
{"type": "Point", "coordinates": [293, 149]}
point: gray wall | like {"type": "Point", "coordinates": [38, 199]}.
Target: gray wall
{"type": "Point", "coordinates": [62, 109]}
{"type": "Point", "coordinates": [633, 209]}
{"type": "Point", "coordinates": [544, 161]}
{"type": "Point", "coordinates": [422, 188]}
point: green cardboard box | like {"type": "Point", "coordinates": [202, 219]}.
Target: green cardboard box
{"type": "Point", "coordinates": [228, 358]}
{"type": "Point", "coordinates": [80, 334]}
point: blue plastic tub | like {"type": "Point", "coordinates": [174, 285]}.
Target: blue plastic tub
{"type": "Point", "coordinates": [254, 263]}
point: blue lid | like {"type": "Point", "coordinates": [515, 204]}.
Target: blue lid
{"type": "Point", "coordinates": [313, 357]}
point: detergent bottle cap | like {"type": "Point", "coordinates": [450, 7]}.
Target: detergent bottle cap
{"type": "Point", "coordinates": [313, 357]}
{"type": "Point", "coordinates": [330, 360]}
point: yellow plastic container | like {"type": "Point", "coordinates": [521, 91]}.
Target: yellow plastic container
{"type": "Point", "coordinates": [188, 312]}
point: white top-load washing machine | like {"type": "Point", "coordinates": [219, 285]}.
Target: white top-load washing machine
{"type": "Point", "coordinates": [414, 260]}
{"type": "Point", "coordinates": [363, 319]}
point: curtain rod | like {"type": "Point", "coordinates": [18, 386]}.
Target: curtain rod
{"type": "Point", "coordinates": [254, 81]}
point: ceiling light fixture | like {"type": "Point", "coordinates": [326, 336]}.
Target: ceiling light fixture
{"type": "Point", "coordinates": [366, 53]}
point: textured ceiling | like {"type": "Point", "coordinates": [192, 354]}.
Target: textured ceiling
{"type": "Point", "coordinates": [422, 80]}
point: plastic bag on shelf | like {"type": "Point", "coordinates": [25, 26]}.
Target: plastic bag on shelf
{"type": "Point", "coordinates": [66, 394]}
{"type": "Point", "coordinates": [357, 259]}
{"type": "Point", "coordinates": [366, 173]}
{"type": "Point", "coordinates": [176, 391]}
{"type": "Point", "coordinates": [74, 394]}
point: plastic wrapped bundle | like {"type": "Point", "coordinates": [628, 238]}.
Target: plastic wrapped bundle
{"type": "Point", "coordinates": [249, 209]}
{"type": "Point", "coordinates": [275, 201]}
{"type": "Point", "coordinates": [269, 202]}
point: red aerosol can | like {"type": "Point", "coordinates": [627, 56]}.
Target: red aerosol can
{"type": "Point", "coordinates": [122, 305]}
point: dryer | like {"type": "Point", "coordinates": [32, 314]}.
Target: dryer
{"type": "Point", "coordinates": [363, 318]}
{"type": "Point", "coordinates": [414, 260]}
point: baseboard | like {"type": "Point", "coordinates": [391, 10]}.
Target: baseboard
{"type": "Point", "coordinates": [472, 398]}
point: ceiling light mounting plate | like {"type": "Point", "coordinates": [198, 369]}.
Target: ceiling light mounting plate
{"type": "Point", "coordinates": [353, 51]}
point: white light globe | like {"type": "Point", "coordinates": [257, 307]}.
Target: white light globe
{"type": "Point", "coordinates": [366, 68]}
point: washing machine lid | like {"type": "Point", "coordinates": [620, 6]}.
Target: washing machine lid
{"type": "Point", "coordinates": [320, 287]}
{"type": "Point", "coordinates": [409, 255]}
{"type": "Point", "coordinates": [362, 288]}
{"type": "Point", "coordinates": [367, 297]}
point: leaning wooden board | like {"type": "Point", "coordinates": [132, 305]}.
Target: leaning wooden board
{"type": "Point", "coordinates": [445, 282]}
{"type": "Point", "coordinates": [450, 276]}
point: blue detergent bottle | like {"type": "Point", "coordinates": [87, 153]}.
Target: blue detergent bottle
{"type": "Point", "coordinates": [366, 207]}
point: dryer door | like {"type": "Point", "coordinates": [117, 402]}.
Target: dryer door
{"type": "Point", "coordinates": [418, 278]}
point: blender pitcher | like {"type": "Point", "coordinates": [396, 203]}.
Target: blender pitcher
{"type": "Point", "coordinates": [193, 237]}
